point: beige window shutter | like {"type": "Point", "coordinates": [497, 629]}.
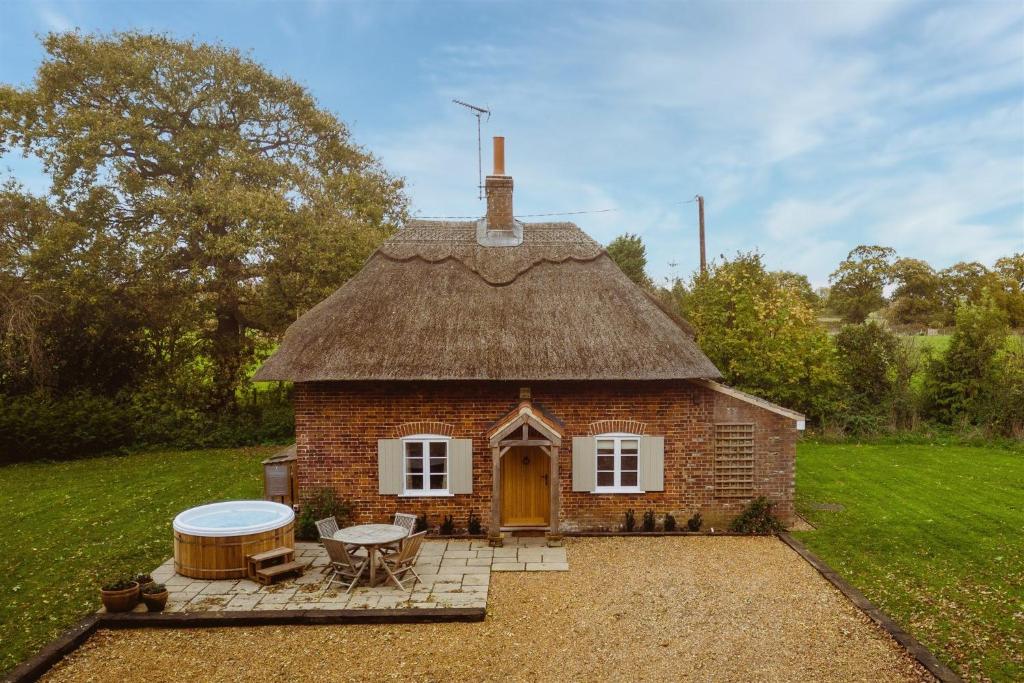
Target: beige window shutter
{"type": "Point", "coordinates": [584, 463]}
{"type": "Point", "coordinates": [389, 466]}
{"type": "Point", "coordinates": [460, 466]}
{"type": "Point", "coordinates": [652, 463]}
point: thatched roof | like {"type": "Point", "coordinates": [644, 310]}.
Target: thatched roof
{"type": "Point", "coordinates": [431, 303]}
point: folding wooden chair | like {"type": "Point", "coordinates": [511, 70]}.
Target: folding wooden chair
{"type": "Point", "coordinates": [400, 563]}
{"type": "Point", "coordinates": [343, 564]}
{"type": "Point", "coordinates": [406, 521]}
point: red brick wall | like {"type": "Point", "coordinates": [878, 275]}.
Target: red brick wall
{"type": "Point", "coordinates": [338, 424]}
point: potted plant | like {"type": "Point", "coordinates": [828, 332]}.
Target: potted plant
{"type": "Point", "coordinates": [155, 596]}
{"type": "Point", "coordinates": [120, 596]}
{"type": "Point", "coordinates": [143, 580]}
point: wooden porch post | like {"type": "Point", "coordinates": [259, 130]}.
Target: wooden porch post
{"type": "Point", "coordinates": [494, 532]}
{"type": "Point", "coordinates": [556, 489]}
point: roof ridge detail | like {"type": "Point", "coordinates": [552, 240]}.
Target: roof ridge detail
{"type": "Point", "coordinates": [494, 277]}
{"type": "Point", "coordinates": [436, 242]}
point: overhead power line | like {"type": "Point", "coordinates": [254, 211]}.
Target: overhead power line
{"type": "Point", "coordinates": [539, 215]}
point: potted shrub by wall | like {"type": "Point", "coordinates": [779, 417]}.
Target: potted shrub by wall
{"type": "Point", "coordinates": [120, 596]}
{"type": "Point", "coordinates": [155, 596]}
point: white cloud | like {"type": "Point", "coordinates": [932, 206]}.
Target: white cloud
{"type": "Point", "coordinates": [791, 219]}
{"type": "Point", "coordinates": [53, 20]}
{"type": "Point", "coordinates": [810, 127]}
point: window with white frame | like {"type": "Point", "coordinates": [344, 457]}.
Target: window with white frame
{"type": "Point", "coordinates": [618, 463]}
{"type": "Point", "coordinates": [426, 465]}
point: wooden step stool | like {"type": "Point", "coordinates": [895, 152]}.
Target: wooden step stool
{"type": "Point", "coordinates": [267, 567]}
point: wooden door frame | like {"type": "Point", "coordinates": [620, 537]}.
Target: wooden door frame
{"type": "Point", "coordinates": [516, 434]}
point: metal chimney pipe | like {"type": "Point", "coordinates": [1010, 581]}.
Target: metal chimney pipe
{"type": "Point", "coordinates": [499, 155]}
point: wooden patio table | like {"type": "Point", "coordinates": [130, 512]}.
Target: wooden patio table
{"type": "Point", "coordinates": [371, 537]}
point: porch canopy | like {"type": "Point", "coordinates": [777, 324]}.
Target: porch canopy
{"type": "Point", "coordinates": [526, 425]}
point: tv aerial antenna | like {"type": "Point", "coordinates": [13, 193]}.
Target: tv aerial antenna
{"type": "Point", "coordinates": [478, 112]}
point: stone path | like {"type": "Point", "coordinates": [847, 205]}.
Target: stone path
{"type": "Point", "coordinates": [453, 573]}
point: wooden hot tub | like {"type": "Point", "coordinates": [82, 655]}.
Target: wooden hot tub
{"type": "Point", "coordinates": [212, 541]}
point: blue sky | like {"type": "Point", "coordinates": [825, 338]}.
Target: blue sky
{"type": "Point", "coordinates": [809, 127]}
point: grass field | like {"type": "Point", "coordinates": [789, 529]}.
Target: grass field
{"type": "Point", "coordinates": [70, 525]}
{"type": "Point", "coordinates": [933, 535]}
{"type": "Point", "coordinates": [936, 343]}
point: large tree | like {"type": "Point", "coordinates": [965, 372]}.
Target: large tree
{"type": "Point", "coordinates": [630, 255]}
{"type": "Point", "coordinates": [228, 185]}
{"type": "Point", "coordinates": [962, 283]}
{"type": "Point", "coordinates": [916, 298]}
{"type": "Point", "coordinates": [858, 284]}
{"type": "Point", "coordinates": [1009, 287]}
{"type": "Point", "coordinates": [762, 334]}
{"type": "Point", "coordinates": [75, 300]}
{"type": "Point", "coordinates": [799, 284]}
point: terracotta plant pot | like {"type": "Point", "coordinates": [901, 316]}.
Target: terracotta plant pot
{"type": "Point", "coordinates": [155, 602]}
{"type": "Point", "coordinates": [122, 600]}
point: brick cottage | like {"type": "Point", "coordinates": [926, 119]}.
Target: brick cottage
{"type": "Point", "coordinates": [510, 370]}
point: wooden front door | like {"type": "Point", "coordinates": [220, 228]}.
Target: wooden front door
{"type": "Point", "coordinates": [525, 496]}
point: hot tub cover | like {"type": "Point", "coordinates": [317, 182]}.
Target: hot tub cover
{"type": "Point", "coordinates": [233, 518]}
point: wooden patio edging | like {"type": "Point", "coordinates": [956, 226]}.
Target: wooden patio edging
{"type": "Point", "coordinates": [654, 534]}
{"type": "Point", "coordinates": [918, 651]}
{"type": "Point", "coordinates": [69, 641]}
{"type": "Point", "coordinates": [58, 648]}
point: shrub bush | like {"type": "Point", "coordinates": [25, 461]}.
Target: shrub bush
{"type": "Point", "coordinates": [473, 524]}
{"type": "Point", "coordinates": [968, 384]}
{"type": "Point", "coordinates": [35, 427]}
{"type": "Point", "coordinates": [649, 523]}
{"type": "Point", "coordinates": [322, 504]}
{"type": "Point", "coordinates": [447, 526]}
{"type": "Point", "coordinates": [83, 424]}
{"type": "Point", "coordinates": [422, 524]}
{"type": "Point", "coordinates": [670, 522]}
{"type": "Point", "coordinates": [630, 520]}
{"type": "Point", "coordinates": [757, 518]}
{"type": "Point", "coordinates": [694, 523]}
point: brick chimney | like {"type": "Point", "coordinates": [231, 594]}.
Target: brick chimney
{"type": "Point", "coordinates": [499, 192]}
{"type": "Point", "coordinates": [499, 228]}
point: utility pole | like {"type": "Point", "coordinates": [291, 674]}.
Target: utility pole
{"type": "Point", "coordinates": [700, 215]}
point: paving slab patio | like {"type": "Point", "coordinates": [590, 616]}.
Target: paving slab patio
{"type": "Point", "coordinates": [453, 573]}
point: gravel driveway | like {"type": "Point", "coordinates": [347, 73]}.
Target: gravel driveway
{"type": "Point", "coordinates": [629, 609]}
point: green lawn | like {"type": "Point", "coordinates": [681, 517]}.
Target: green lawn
{"type": "Point", "coordinates": [69, 525]}
{"type": "Point", "coordinates": [933, 535]}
